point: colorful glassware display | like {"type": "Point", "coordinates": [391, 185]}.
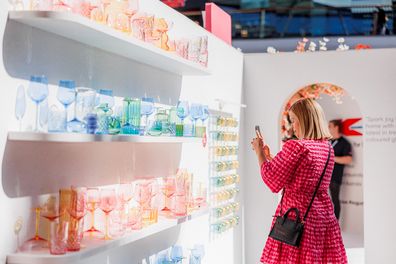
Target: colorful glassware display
{"type": "Point", "coordinates": [223, 155]}
{"type": "Point", "coordinates": [127, 207]}
{"type": "Point", "coordinates": [124, 16]}
{"type": "Point", "coordinates": [97, 113]}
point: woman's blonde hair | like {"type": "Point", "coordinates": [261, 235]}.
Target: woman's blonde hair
{"type": "Point", "coordinates": [313, 124]}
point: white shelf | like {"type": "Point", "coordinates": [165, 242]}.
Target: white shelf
{"type": "Point", "coordinates": [86, 138]}
{"type": "Point", "coordinates": [97, 35]}
{"type": "Point", "coordinates": [96, 246]}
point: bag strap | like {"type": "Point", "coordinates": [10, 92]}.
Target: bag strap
{"type": "Point", "coordinates": [316, 190]}
{"type": "Point", "coordinates": [318, 185]}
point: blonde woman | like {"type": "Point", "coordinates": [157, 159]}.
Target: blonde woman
{"type": "Point", "coordinates": [297, 169]}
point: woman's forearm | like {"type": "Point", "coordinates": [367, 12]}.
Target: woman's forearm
{"type": "Point", "coordinates": [261, 158]}
{"type": "Point", "coordinates": [346, 160]}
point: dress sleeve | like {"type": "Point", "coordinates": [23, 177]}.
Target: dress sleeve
{"type": "Point", "coordinates": [277, 172]}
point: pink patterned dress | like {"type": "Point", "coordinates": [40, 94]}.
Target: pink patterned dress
{"type": "Point", "coordinates": [298, 167]}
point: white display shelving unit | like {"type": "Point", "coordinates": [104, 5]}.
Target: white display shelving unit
{"type": "Point", "coordinates": [86, 138]}
{"type": "Point", "coordinates": [96, 246]}
{"type": "Point", "coordinates": [84, 30]}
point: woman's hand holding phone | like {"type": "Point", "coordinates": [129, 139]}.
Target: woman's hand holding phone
{"type": "Point", "coordinates": [259, 144]}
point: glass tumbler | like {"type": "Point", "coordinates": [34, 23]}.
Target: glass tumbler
{"type": "Point", "coordinates": [131, 116]}
{"type": "Point", "coordinates": [58, 238]}
{"type": "Point", "coordinates": [161, 124]}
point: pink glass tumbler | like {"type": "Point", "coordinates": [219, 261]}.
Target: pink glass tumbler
{"type": "Point", "coordinates": [58, 238]}
{"type": "Point", "coordinates": [77, 212]}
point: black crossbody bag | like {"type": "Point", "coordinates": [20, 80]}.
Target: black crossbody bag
{"type": "Point", "coordinates": [290, 231]}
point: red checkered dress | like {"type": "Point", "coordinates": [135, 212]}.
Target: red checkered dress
{"type": "Point", "coordinates": [298, 167]}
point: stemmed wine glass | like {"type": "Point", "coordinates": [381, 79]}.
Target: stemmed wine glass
{"type": "Point", "coordinates": [143, 193]}
{"type": "Point", "coordinates": [146, 109]}
{"type": "Point", "coordinates": [37, 237]}
{"type": "Point", "coordinates": [50, 211]}
{"type": "Point", "coordinates": [38, 91]}
{"type": "Point", "coordinates": [66, 95]}
{"type": "Point", "coordinates": [84, 104]}
{"type": "Point", "coordinates": [182, 111]}
{"type": "Point", "coordinates": [92, 204]}
{"type": "Point", "coordinates": [20, 105]}
{"type": "Point", "coordinates": [125, 192]}
{"type": "Point", "coordinates": [108, 202]}
{"type": "Point", "coordinates": [77, 211]}
{"type": "Point", "coordinates": [168, 188]}
{"type": "Point", "coordinates": [195, 114]}
{"type": "Point", "coordinates": [106, 97]}
{"type": "Point", "coordinates": [43, 113]}
{"type": "Point", "coordinates": [205, 114]}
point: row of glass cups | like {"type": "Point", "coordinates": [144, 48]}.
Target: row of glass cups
{"type": "Point", "coordinates": [129, 206]}
{"type": "Point", "coordinates": [96, 112]}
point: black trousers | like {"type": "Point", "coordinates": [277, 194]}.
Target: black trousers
{"type": "Point", "coordinates": [335, 197]}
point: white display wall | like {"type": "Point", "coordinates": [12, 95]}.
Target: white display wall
{"type": "Point", "coordinates": [30, 169]}
{"type": "Point", "coordinates": [368, 76]}
{"type": "Point", "coordinates": [351, 193]}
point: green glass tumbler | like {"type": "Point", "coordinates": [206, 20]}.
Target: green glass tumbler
{"type": "Point", "coordinates": [131, 116]}
{"type": "Point", "coordinates": [160, 125]}
{"type": "Point", "coordinates": [173, 120]}
{"type": "Point", "coordinates": [179, 130]}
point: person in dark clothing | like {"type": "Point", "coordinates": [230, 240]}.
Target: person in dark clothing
{"type": "Point", "coordinates": [382, 19]}
{"type": "Point", "coordinates": [343, 156]}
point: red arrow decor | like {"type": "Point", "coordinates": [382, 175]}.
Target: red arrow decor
{"type": "Point", "coordinates": [348, 129]}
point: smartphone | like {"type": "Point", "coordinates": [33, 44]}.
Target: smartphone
{"type": "Point", "coordinates": [258, 132]}
{"type": "Point", "coordinates": [266, 149]}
